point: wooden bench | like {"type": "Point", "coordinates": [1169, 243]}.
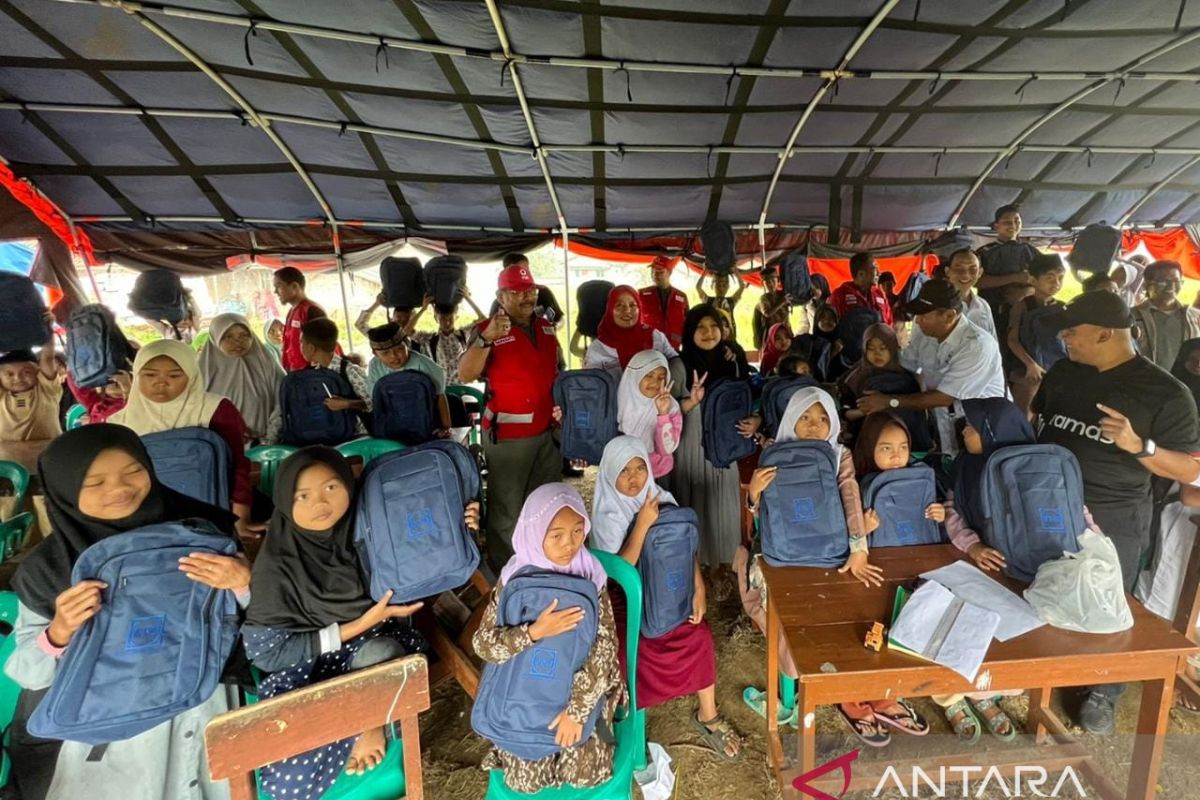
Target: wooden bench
{"type": "Point", "coordinates": [241, 741]}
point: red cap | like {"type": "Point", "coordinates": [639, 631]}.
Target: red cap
{"type": "Point", "coordinates": [517, 278]}
{"type": "Point", "coordinates": [663, 262]}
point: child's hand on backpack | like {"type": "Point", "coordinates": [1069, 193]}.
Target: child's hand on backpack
{"type": "Point", "coordinates": [749, 426]}
{"type": "Point", "coordinates": [936, 512]}
{"type": "Point", "coordinates": [471, 516]}
{"type": "Point", "coordinates": [338, 404]}
{"type": "Point", "coordinates": [551, 622]}
{"type": "Point", "coordinates": [986, 557]}
{"type": "Point", "coordinates": [219, 572]}
{"type": "Point", "coordinates": [857, 565]}
{"type": "Point", "coordinates": [648, 514]}
{"type": "Point", "coordinates": [567, 732]}
{"type": "Point", "coordinates": [72, 608]}
{"type": "Point", "coordinates": [759, 481]}
{"type": "Point", "coordinates": [870, 521]}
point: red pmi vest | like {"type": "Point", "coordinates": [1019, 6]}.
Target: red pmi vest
{"type": "Point", "coordinates": [671, 323]}
{"type": "Point", "coordinates": [520, 379]}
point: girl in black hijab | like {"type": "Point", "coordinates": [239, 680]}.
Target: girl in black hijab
{"type": "Point", "coordinates": [312, 617]}
{"type": "Point", "coordinates": [99, 482]}
{"type": "Point", "coordinates": [705, 352]}
{"type": "Point", "coordinates": [1186, 368]}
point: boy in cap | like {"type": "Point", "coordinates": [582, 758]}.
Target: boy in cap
{"type": "Point", "coordinates": [30, 391]}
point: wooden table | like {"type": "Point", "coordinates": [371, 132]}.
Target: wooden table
{"type": "Point", "coordinates": [825, 617]}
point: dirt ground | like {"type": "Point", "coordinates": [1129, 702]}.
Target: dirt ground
{"type": "Point", "coordinates": [451, 752]}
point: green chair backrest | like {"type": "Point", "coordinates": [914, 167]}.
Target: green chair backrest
{"type": "Point", "coordinates": [18, 476]}
{"type": "Point", "coordinates": [368, 448]}
{"type": "Point", "coordinates": [268, 458]}
{"type": "Point", "coordinates": [12, 536]}
{"type": "Point", "coordinates": [75, 415]}
{"type": "Point", "coordinates": [460, 390]}
{"type": "Point", "coordinates": [8, 687]}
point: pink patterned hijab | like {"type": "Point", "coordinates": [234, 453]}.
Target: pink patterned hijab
{"type": "Point", "coordinates": [539, 509]}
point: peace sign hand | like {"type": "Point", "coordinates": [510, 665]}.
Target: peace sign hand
{"type": "Point", "coordinates": [697, 393]}
{"type": "Point", "coordinates": [1117, 427]}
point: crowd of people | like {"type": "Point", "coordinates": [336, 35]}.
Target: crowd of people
{"type": "Point", "coordinates": [971, 346]}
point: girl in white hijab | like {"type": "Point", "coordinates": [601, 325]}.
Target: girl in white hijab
{"type": "Point", "coordinates": [647, 411]}
{"type": "Point", "coordinates": [236, 365]}
{"type": "Point", "coordinates": [612, 511]}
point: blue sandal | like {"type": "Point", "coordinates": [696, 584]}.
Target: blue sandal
{"type": "Point", "coordinates": [756, 699]}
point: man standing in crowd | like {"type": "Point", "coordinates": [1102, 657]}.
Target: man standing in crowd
{"type": "Point", "coordinates": [1125, 420]}
{"type": "Point", "coordinates": [774, 307]}
{"type": "Point", "coordinates": [1005, 264]}
{"type": "Point", "coordinates": [1163, 323]}
{"type": "Point", "coordinates": [517, 352]}
{"type": "Point", "coordinates": [289, 288]}
{"type": "Point", "coordinates": [964, 365]}
{"type": "Point", "coordinates": [963, 271]}
{"type": "Point", "coordinates": [862, 290]}
{"type": "Point", "coordinates": [663, 306]}
{"type": "Point", "coordinates": [447, 344]}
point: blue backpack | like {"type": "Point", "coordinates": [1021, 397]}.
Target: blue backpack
{"type": "Point", "coordinates": [803, 523]}
{"type": "Point", "coordinates": [22, 314]}
{"type": "Point", "coordinates": [409, 532]}
{"type": "Point", "coordinates": [1039, 334]}
{"type": "Point", "coordinates": [850, 330]}
{"type": "Point", "coordinates": [725, 404]}
{"type": "Point", "coordinates": [464, 462]}
{"type": "Point", "coordinates": [156, 648]}
{"type": "Point", "coordinates": [518, 699]}
{"type": "Point", "coordinates": [775, 396]}
{"type": "Point", "coordinates": [900, 497]}
{"type": "Point", "coordinates": [96, 348]}
{"type": "Point", "coordinates": [588, 399]}
{"type": "Point", "coordinates": [404, 407]}
{"type": "Point", "coordinates": [912, 286]}
{"type": "Point", "coordinates": [1033, 505]}
{"type": "Point", "coordinates": [797, 283]}
{"type": "Point", "coordinates": [158, 295]}
{"type": "Point", "coordinates": [666, 567]}
{"type": "Point", "coordinates": [917, 422]}
{"type": "Point", "coordinates": [192, 461]}
{"type": "Point", "coordinates": [306, 420]}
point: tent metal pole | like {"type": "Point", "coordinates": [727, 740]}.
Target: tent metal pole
{"type": "Point", "coordinates": [1155, 189]}
{"type": "Point", "coordinates": [341, 269]}
{"type": "Point", "coordinates": [566, 245]}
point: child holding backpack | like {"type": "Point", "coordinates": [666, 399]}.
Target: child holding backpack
{"type": "Point", "coordinates": [549, 537]}
{"type": "Point", "coordinates": [1046, 272]}
{"type": "Point", "coordinates": [393, 352]}
{"type": "Point", "coordinates": [881, 353]}
{"type": "Point", "coordinates": [30, 392]}
{"type": "Point", "coordinates": [311, 617]}
{"type": "Point", "coordinates": [681, 661]}
{"type": "Point", "coordinates": [647, 411]}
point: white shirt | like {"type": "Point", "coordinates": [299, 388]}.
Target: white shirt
{"type": "Point", "coordinates": [601, 356]}
{"type": "Point", "coordinates": [966, 366]}
{"type": "Point", "coordinates": [924, 348]}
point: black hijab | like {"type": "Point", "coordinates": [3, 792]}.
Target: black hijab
{"type": "Point", "coordinates": [1000, 423]}
{"type": "Point", "coordinates": [715, 362]}
{"type": "Point", "coordinates": [305, 580]}
{"type": "Point", "coordinates": [46, 572]}
{"type": "Point", "coordinates": [1180, 371]}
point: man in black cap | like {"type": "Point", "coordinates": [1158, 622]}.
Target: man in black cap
{"type": "Point", "coordinates": [964, 365]}
{"type": "Point", "coordinates": [1125, 419]}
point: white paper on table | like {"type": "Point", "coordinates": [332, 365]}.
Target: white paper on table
{"type": "Point", "coordinates": [945, 629]}
{"type": "Point", "coordinates": [972, 584]}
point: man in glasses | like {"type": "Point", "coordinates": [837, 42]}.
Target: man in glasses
{"type": "Point", "coordinates": [1163, 323]}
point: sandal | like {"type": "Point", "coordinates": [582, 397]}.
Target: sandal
{"type": "Point", "coordinates": [996, 720]}
{"type": "Point", "coordinates": [908, 721]}
{"type": "Point", "coordinates": [718, 734]}
{"type": "Point", "coordinates": [967, 721]}
{"type": "Point", "coordinates": [868, 730]}
{"type": "Point", "coordinates": [756, 699]}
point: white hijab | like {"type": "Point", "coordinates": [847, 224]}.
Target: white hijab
{"type": "Point", "coordinates": [194, 407]}
{"type": "Point", "coordinates": [800, 402]}
{"type": "Point", "coordinates": [612, 511]}
{"type": "Point", "coordinates": [251, 382]}
{"type": "Point", "coordinates": [637, 414]}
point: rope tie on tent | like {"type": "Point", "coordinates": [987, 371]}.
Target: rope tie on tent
{"type": "Point", "coordinates": [1153, 157]}
{"type": "Point", "coordinates": [917, 12]}
{"type": "Point", "coordinates": [1120, 86]}
{"type": "Point", "coordinates": [1066, 10]}
{"type": "Point", "coordinates": [342, 129]}
{"type": "Point", "coordinates": [1020, 92]}
{"type": "Point", "coordinates": [382, 48]}
{"type": "Point", "coordinates": [1090, 156]}
{"type": "Point", "coordinates": [504, 69]}
{"type": "Point", "coordinates": [937, 164]}
{"type": "Point", "coordinates": [251, 31]}
{"type": "Point", "coordinates": [728, 87]}
{"type": "Point", "coordinates": [629, 85]}
{"type": "Point", "coordinates": [936, 81]}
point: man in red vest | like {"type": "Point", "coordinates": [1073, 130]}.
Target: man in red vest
{"type": "Point", "coordinates": [862, 291]}
{"type": "Point", "coordinates": [663, 307]}
{"type": "Point", "coordinates": [517, 353]}
{"type": "Point", "coordinates": [289, 288]}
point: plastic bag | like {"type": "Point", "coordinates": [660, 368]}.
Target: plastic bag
{"type": "Point", "coordinates": [657, 780]}
{"type": "Point", "coordinates": [1083, 591]}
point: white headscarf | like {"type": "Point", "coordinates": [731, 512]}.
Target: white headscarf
{"type": "Point", "coordinates": [637, 414]}
{"type": "Point", "coordinates": [612, 511]}
{"type": "Point", "coordinates": [251, 382]}
{"type": "Point", "coordinates": [193, 408]}
{"type": "Point", "coordinates": [800, 402]}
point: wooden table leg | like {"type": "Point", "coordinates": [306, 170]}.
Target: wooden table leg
{"type": "Point", "coordinates": [1151, 734]}
{"type": "Point", "coordinates": [806, 739]}
{"type": "Point", "coordinates": [772, 633]}
{"type": "Point", "coordinates": [410, 734]}
{"type": "Point", "coordinates": [243, 787]}
{"type": "Point", "coordinates": [1039, 707]}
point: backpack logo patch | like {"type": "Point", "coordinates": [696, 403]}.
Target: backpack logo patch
{"type": "Point", "coordinates": [146, 633]}
{"type": "Point", "coordinates": [420, 524]}
{"type": "Point", "coordinates": [583, 418]}
{"type": "Point", "coordinates": [1052, 520]}
{"type": "Point", "coordinates": [906, 530]}
{"type": "Point", "coordinates": [675, 580]}
{"type": "Point", "coordinates": [803, 509]}
{"type": "Point", "coordinates": [544, 664]}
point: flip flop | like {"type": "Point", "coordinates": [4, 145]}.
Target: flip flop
{"type": "Point", "coordinates": [869, 731]}
{"type": "Point", "coordinates": [756, 699]}
{"type": "Point", "coordinates": [909, 722]}
{"type": "Point", "coordinates": [995, 721]}
{"type": "Point", "coordinates": [967, 722]}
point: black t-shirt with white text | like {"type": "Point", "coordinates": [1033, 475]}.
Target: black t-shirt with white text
{"type": "Point", "coordinates": [1158, 407]}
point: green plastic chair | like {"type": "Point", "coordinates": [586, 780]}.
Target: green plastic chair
{"type": "Point", "coordinates": [75, 415]}
{"type": "Point", "coordinates": [368, 449]}
{"type": "Point", "coordinates": [630, 731]}
{"type": "Point", "coordinates": [460, 391]}
{"type": "Point", "coordinates": [12, 535]}
{"type": "Point", "coordinates": [268, 457]}
{"type": "Point", "coordinates": [18, 476]}
{"type": "Point", "coordinates": [8, 687]}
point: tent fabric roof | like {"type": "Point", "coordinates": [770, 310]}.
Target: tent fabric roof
{"type": "Point", "coordinates": [207, 116]}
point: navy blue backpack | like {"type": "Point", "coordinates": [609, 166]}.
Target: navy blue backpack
{"type": "Point", "coordinates": [306, 420]}
{"type": "Point", "coordinates": [96, 348]}
{"type": "Point", "coordinates": [409, 532]}
{"type": "Point", "coordinates": [900, 497]}
{"type": "Point", "coordinates": [403, 282]}
{"type": "Point", "coordinates": [443, 280]}
{"type": "Point", "coordinates": [1039, 334]}
{"type": "Point", "coordinates": [22, 314]}
{"type": "Point", "coordinates": [158, 295]}
{"type": "Point", "coordinates": [157, 646]}
{"type": "Point", "coordinates": [1033, 505]}
{"type": "Point", "coordinates": [404, 407]}
{"type": "Point", "coordinates": [912, 286]}
{"type": "Point", "coordinates": [797, 283]}
{"type": "Point", "coordinates": [518, 699]}
{"type": "Point", "coordinates": [192, 461]}
{"type": "Point", "coordinates": [775, 396]}
{"type": "Point", "coordinates": [588, 399]}
{"type": "Point", "coordinates": [803, 523]}
{"type": "Point", "coordinates": [917, 422]}
{"type": "Point", "coordinates": [464, 462]}
{"type": "Point", "coordinates": [726, 403]}
{"type": "Point", "coordinates": [850, 330]}
{"type": "Point", "coordinates": [667, 566]}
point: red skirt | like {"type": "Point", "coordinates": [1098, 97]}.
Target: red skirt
{"type": "Point", "coordinates": [679, 663]}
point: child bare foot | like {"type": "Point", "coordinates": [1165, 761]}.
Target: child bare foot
{"type": "Point", "coordinates": [367, 752]}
